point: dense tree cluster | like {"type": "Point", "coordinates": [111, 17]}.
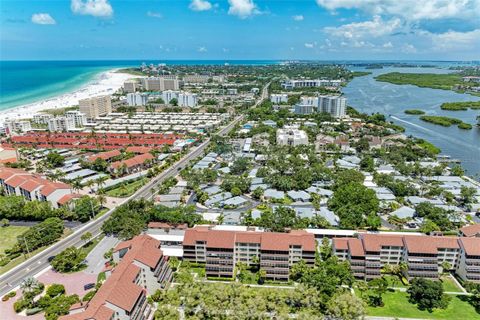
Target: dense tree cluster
{"type": "Point", "coordinates": [398, 187]}
{"type": "Point", "coordinates": [131, 218]}
{"type": "Point", "coordinates": [438, 218]}
{"type": "Point", "coordinates": [427, 294]}
{"type": "Point", "coordinates": [69, 260]}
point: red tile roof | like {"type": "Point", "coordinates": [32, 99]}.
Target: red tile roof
{"type": "Point", "coordinates": [120, 288]}
{"type": "Point", "coordinates": [67, 198]}
{"type": "Point", "coordinates": [429, 245]}
{"type": "Point", "coordinates": [340, 243]}
{"type": "Point", "coordinates": [132, 162]}
{"type": "Point", "coordinates": [356, 248]}
{"type": "Point", "coordinates": [139, 149]}
{"type": "Point", "coordinates": [267, 240]}
{"type": "Point", "coordinates": [104, 155]}
{"type": "Point", "coordinates": [470, 245]}
{"type": "Point", "coordinates": [374, 242]}
{"type": "Point", "coordinates": [471, 231]}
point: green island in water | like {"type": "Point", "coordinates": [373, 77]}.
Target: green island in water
{"type": "Point", "coordinates": [414, 111]}
{"type": "Point", "coordinates": [460, 106]}
{"type": "Point", "coordinates": [446, 121]}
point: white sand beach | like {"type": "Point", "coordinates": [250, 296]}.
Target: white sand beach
{"type": "Point", "coordinates": [105, 83]}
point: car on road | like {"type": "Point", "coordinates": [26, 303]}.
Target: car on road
{"type": "Point", "coordinates": [49, 259]}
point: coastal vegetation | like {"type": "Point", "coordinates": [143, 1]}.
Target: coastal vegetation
{"type": "Point", "coordinates": [460, 106]}
{"type": "Point", "coordinates": [446, 121]}
{"type": "Point", "coordinates": [414, 111]}
{"type": "Point", "coordinates": [424, 80]}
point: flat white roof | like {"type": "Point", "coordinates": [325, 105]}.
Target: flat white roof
{"type": "Point", "coordinates": [167, 237]}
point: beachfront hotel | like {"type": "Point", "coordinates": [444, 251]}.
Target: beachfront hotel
{"type": "Point", "coordinates": [424, 256]}
{"type": "Point", "coordinates": [96, 106]}
{"type": "Point", "coordinates": [161, 83]}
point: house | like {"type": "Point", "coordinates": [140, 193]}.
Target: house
{"type": "Point", "coordinates": [404, 213]}
{"type": "Point", "coordinates": [135, 164]}
{"type": "Point", "coordinates": [273, 194]}
{"type": "Point", "coordinates": [301, 196]}
{"type": "Point", "coordinates": [472, 230]}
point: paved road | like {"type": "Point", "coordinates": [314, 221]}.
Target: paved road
{"type": "Point", "coordinates": [37, 263]}
{"type": "Point", "coordinates": [96, 261]}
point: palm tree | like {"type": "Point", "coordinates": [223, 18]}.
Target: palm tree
{"type": "Point", "coordinates": [100, 181]}
{"type": "Point", "coordinates": [76, 184]}
{"type": "Point", "coordinates": [101, 199]}
{"type": "Point", "coordinates": [89, 184]}
{"type": "Point", "coordinates": [30, 284]}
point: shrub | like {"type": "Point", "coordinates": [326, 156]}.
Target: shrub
{"type": "Point", "coordinates": [88, 296]}
{"type": "Point", "coordinates": [32, 311]}
{"type": "Point", "coordinates": [55, 290]}
{"type": "Point", "coordinates": [21, 304]}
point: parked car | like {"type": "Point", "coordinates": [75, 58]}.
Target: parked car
{"type": "Point", "coordinates": [89, 286]}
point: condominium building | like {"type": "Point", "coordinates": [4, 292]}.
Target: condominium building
{"type": "Point", "coordinates": [79, 118]}
{"type": "Point", "coordinates": [187, 99]}
{"type": "Point", "coordinates": [333, 105]}
{"type": "Point", "coordinates": [161, 83]}
{"type": "Point", "coordinates": [42, 118]}
{"type": "Point", "coordinates": [17, 126]}
{"type": "Point", "coordinates": [168, 95]}
{"type": "Point", "coordinates": [306, 83]}
{"type": "Point", "coordinates": [61, 124]}
{"type": "Point", "coordinates": [137, 99]}
{"type": "Point", "coordinates": [141, 270]}
{"type": "Point", "coordinates": [130, 86]}
{"type": "Point", "coordinates": [424, 256]}
{"type": "Point", "coordinates": [291, 136]}
{"type": "Point", "coordinates": [196, 78]}
{"type": "Point", "coordinates": [96, 106]}
{"type": "Point", "coordinates": [279, 98]}
{"type": "Point", "coordinates": [221, 250]}
{"type": "Point", "coordinates": [34, 187]}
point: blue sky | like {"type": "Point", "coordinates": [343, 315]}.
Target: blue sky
{"type": "Point", "coordinates": [240, 29]}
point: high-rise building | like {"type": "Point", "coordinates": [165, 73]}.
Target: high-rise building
{"type": "Point", "coordinates": [79, 118]}
{"type": "Point", "coordinates": [96, 106]}
{"type": "Point", "coordinates": [279, 98]}
{"type": "Point", "coordinates": [161, 83]}
{"type": "Point", "coordinates": [187, 99]}
{"type": "Point", "coordinates": [61, 124]}
{"type": "Point", "coordinates": [306, 83]}
{"type": "Point", "coordinates": [137, 99]}
{"type": "Point", "coordinates": [333, 105]}
{"type": "Point", "coordinates": [130, 86]}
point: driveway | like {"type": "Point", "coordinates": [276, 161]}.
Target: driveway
{"type": "Point", "coordinates": [96, 261]}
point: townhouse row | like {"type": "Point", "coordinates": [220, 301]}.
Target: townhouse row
{"type": "Point", "coordinates": [423, 256]}
{"type": "Point", "coordinates": [141, 270]}
{"type": "Point", "coordinates": [222, 250]}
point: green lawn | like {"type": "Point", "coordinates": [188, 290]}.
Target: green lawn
{"type": "Point", "coordinates": [8, 236]}
{"type": "Point", "coordinates": [397, 305]}
{"type": "Point", "coordinates": [127, 189]}
{"type": "Point", "coordinates": [449, 285]}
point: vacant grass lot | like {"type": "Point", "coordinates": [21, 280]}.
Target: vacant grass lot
{"type": "Point", "coordinates": [397, 305]}
{"type": "Point", "coordinates": [449, 285]}
{"type": "Point", "coordinates": [126, 190]}
{"type": "Point", "coordinates": [8, 236]}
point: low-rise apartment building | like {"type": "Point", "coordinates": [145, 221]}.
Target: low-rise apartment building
{"type": "Point", "coordinates": [424, 256]}
{"type": "Point", "coordinates": [34, 187]}
{"type": "Point", "coordinates": [291, 136]}
{"type": "Point", "coordinates": [142, 269]}
{"type": "Point", "coordinates": [221, 250]}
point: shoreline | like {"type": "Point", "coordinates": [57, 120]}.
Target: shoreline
{"type": "Point", "coordinates": [106, 82]}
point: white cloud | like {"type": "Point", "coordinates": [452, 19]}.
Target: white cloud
{"type": "Point", "coordinates": [202, 49]}
{"type": "Point", "coordinates": [453, 40]}
{"type": "Point", "coordinates": [412, 10]}
{"type": "Point", "coordinates": [96, 8]}
{"type": "Point", "coordinates": [309, 45]}
{"type": "Point", "coordinates": [200, 5]}
{"type": "Point", "coordinates": [409, 48]}
{"type": "Point", "coordinates": [374, 28]}
{"type": "Point", "coordinates": [43, 18]}
{"type": "Point", "coordinates": [387, 45]}
{"type": "Point", "coordinates": [153, 14]}
{"type": "Point", "coordinates": [242, 8]}
{"type": "Point", "coordinates": [298, 17]}
{"type": "Point", "coordinates": [225, 49]}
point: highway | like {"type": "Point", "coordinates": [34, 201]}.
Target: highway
{"type": "Point", "coordinates": [39, 262]}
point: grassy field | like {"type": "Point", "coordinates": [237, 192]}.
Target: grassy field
{"type": "Point", "coordinates": [397, 305]}
{"type": "Point", "coordinates": [449, 285]}
{"type": "Point", "coordinates": [424, 80]}
{"type": "Point", "coordinates": [127, 189]}
{"type": "Point", "coordinates": [8, 236]}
